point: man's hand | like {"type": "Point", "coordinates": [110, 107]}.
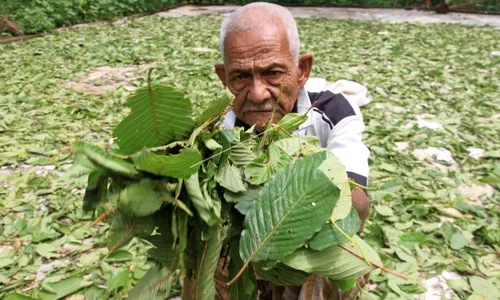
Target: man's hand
{"type": "Point", "coordinates": [361, 203]}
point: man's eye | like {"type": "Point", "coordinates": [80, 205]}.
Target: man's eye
{"type": "Point", "coordinates": [240, 77]}
{"type": "Point", "coordinates": [273, 73]}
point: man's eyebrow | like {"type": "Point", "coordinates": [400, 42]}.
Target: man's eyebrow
{"type": "Point", "coordinates": [265, 67]}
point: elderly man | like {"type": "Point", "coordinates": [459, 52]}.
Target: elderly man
{"type": "Point", "coordinates": [260, 46]}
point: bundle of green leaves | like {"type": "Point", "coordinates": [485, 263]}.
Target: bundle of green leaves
{"type": "Point", "coordinates": [273, 203]}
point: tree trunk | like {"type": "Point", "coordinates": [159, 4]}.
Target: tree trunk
{"type": "Point", "coordinates": [8, 25]}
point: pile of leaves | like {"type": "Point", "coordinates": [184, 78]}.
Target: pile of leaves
{"type": "Point", "coordinates": [271, 203]}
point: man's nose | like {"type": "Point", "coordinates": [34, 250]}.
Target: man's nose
{"type": "Point", "coordinates": [259, 92]}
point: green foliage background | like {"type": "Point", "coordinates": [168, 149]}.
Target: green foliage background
{"type": "Point", "coordinates": [35, 16]}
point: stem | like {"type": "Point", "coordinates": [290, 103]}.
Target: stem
{"type": "Point", "coordinates": [375, 264]}
{"type": "Point", "coordinates": [362, 186]}
{"type": "Point", "coordinates": [270, 122]}
{"type": "Point", "coordinates": [351, 240]}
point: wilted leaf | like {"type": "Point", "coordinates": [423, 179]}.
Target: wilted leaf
{"type": "Point", "coordinates": [64, 288]}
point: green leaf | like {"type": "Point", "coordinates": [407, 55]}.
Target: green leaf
{"type": "Point", "coordinates": [159, 114]}
{"type": "Point", "coordinates": [96, 191]}
{"type": "Point", "coordinates": [118, 279]}
{"type": "Point", "coordinates": [229, 177]}
{"type": "Point", "coordinates": [17, 296]}
{"type": "Point", "coordinates": [120, 255]}
{"type": "Point", "coordinates": [81, 166]}
{"type": "Point", "coordinates": [458, 241]}
{"type": "Point", "coordinates": [64, 288]}
{"type": "Point", "coordinates": [207, 264]}
{"type": "Point", "coordinates": [384, 210]}
{"type": "Point", "coordinates": [156, 284]}
{"type": "Point", "coordinates": [293, 206]}
{"type": "Point", "coordinates": [245, 288]}
{"type": "Point", "coordinates": [484, 287]}
{"type": "Point", "coordinates": [266, 165]}
{"type": "Point", "coordinates": [104, 159]}
{"type": "Point", "coordinates": [181, 165]}
{"type": "Point", "coordinates": [47, 250]}
{"type": "Point", "coordinates": [124, 227]}
{"type": "Point", "coordinates": [215, 108]}
{"type": "Point", "coordinates": [280, 275]}
{"type": "Point", "coordinates": [335, 170]}
{"type": "Point", "coordinates": [295, 145]}
{"type": "Point", "coordinates": [329, 236]}
{"type": "Point", "coordinates": [143, 198]}
{"type": "Point", "coordinates": [165, 249]}
{"type": "Point", "coordinates": [334, 262]}
{"type": "Point", "coordinates": [345, 285]}
{"type": "Point", "coordinates": [243, 153]}
{"type": "Point", "coordinates": [244, 200]}
{"type": "Point", "coordinates": [290, 122]}
{"type": "Point", "coordinates": [208, 209]}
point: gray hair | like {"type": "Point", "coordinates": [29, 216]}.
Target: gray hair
{"type": "Point", "coordinates": [244, 19]}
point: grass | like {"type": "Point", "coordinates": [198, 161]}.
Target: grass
{"type": "Point", "coordinates": [422, 220]}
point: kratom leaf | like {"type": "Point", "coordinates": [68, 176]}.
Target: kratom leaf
{"type": "Point", "coordinates": [329, 236]}
{"type": "Point", "coordinates": [229, 177]}
{"type": "Point", "coordinates": [118, 279]}
{"type": "Point", "coordinates": [293, 146]}
{"type": "Point", "coordinates": [181, 165]}
{"type": "Point", "coordinates": [344, 285]}
{"type": "Point", "coordinates": [204, 287]}
{"type": "Point", "coordinates": [166, 250]}
{"type": "Point", "coordinates": [280, 275]}
{"type": "Point", "coordinates": [335, 170]}
{"type": "Point", "coordinates": [242, 153]}
{"type": "Point", "coordinates": [104, 159]}
{"type": "Point", "coordinates": [96, 191]}
{"type": "Point", "coordinates": [156, 284]}
{"type": "Point", "coordinates": [81, 166]}
{"type": "Point", "coordinates": [124, 227]}
{"type": "Point", "coordinates": [334, 262]}
{"type": "Point", "coordinates": [215, 108]}
{"type": "Point", "coordinates": [17, 296]}
{"type": "Point", "coordinates": [293, 206]}
{"type": "Point", "coordinates": [265, 165]}
{"type": "Point", "coordinates": [208, 210]}
{"type": "Point", "coordinates": [245, 288]}
{"type": "Point", "coordinates": [143, 198]}
{"type": "Point", "coordinates": [159, 114]}
{"type": "Point", "coordinates": [244, 200]}
{"type": "Point", "coordinates": [289, 123]}
{"type": "Point", "coordinates": [64, 288]}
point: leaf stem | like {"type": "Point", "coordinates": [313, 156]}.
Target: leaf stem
{"type": "Point", "coordinates": [362, 186]}
{"type": "Point", "coordinates": [351, 240]}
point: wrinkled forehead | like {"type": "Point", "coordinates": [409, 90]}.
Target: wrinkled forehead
{"type": "Point", "coordinates": [258, 45]}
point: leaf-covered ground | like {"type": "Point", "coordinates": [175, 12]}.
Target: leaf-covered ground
{"type": "Point", "coordinates": [433, 128]}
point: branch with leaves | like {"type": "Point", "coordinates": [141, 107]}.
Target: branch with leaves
{"type": "Point", "coordinates": [191, 188]}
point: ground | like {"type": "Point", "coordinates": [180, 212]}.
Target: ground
{"type": "Point", "coordinates": [432, 128]}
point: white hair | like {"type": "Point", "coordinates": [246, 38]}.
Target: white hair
{"type": "Point", "coordinates": [244, 18]}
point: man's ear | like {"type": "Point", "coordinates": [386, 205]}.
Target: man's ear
{"type": "Point", "coordinates": [305, 66]}
{"type": "Point", "coordinates": [221, 72]}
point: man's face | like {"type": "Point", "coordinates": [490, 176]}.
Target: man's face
{"type": "Point", "coordinates": [260, 72]}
